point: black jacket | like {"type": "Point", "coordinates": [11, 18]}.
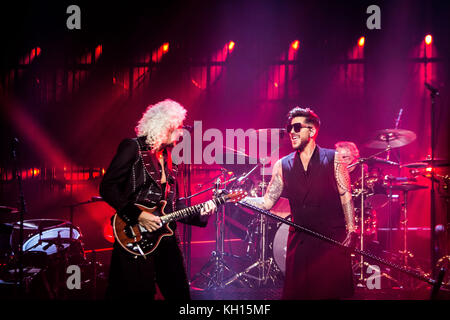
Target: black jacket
{"type": "Point", "coordinates": [128, 181]}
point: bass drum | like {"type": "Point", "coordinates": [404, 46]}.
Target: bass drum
{"type": "Point", "coordinates": [280, 245]}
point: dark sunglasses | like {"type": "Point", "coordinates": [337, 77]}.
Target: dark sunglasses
{"type": "Point", "coordinates": [297, 127]}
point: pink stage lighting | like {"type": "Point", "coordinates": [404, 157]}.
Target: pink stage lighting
{"type": "Point", "coordinates": [361, 41]}
{"type": "Point", "coordinates": [231, 45]}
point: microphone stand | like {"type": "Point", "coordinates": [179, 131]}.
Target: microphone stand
{"type": "Point", "coordinates": [22, 212]}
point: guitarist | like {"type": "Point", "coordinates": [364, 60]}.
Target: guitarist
{"type": "Point", "coordinates": [142, 172]}
{"type": "Point", "coordinates": [316, 182]}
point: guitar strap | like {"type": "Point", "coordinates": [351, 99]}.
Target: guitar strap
{"type": "Point", "coordinates": [151, 164]}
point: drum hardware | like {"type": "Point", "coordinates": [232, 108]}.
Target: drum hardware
{"type": "Point", "coordinates": [433, 243]}
{"type": "Point", "coordinates": [406, 187]}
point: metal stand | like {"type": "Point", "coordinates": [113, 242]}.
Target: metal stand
{"type": "Point", "coordinates": [434, 245]}
{"type": "Point", "coordinates": [362, 193]}
{"type": "Point", "coordinates": [23, 210]}
{"type": "Point", "coordinates": [215, 278]}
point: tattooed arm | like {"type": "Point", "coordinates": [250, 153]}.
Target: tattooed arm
{"type": "Point", "coordinates": [344, 188]}
{"type": "Point", "coordinates": [273, 192]}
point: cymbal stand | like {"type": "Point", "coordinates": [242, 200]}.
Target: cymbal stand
{"type": "Point", "coordinates": [434, 244]}
{"type": "Point", "coordinates": [405, 252]}
{"type": "Point", "coordinates": [361, 161]}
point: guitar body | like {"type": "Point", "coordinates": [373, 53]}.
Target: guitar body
{"type": "Point", "coordinates": [136, 239]}
{"type": "Point", "coordinates": [140, 242]}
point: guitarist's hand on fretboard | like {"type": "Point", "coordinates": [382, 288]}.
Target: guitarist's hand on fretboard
{"type": "Point", "coordinates": [149, 221]}
{"type": "Point", "coordinates": [208, 208]}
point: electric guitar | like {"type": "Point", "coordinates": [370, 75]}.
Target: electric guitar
{"type": "Point", "coordinates": [138, 241]}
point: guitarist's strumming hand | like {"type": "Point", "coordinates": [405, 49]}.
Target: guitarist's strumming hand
{"type": "Point", "coordinates": [208, 208]}
{"type": "Point", "coordinates": [149, 221]}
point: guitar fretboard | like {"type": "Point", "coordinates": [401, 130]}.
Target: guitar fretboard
{"type": "Point", "coordinates": [186, 212]}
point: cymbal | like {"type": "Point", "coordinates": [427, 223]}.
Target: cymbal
{"type": "Point", "coordinates": [394, 138]}
{"type": "Point", "coordinates": [8, 210]}
{"type": "Point", "coordinates": [426, 163]}
{"type": "Point", "coordinates": [437, 162]}
{"type": "Point", "coordinates": [415, 165]}
{"type": "Point", "coordinates": [39, 224]}
{"type": "Point", "coordinates": [408, 187]}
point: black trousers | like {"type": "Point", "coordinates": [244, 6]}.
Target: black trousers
{"type": "Point", "coordinates": [135, 278]}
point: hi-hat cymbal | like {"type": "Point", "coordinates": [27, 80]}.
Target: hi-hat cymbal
{"type": "Point", "coordinates": [8, 210]}
{"type": "Point", "coordinates": [394, 138]}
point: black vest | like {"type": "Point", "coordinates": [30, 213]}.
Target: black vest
{"type": "Point", "coordinates": [313, 195]}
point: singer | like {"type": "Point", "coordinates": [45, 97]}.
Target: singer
{"type": "Point", "coordinates": [316, 182]}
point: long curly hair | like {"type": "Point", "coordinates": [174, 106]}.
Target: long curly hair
{"type": "Point", "coordinates": [158, 120]}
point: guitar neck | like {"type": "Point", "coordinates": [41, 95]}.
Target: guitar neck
{"type": "Point", "coordinates": [186, 212]}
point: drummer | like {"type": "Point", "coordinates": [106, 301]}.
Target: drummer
{"type": "Point", "coordinates": [350, 155]}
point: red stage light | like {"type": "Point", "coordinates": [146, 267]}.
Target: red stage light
{"type": "Point", "coordinates": [165, 47]}
{"type": "Point", "coordinates": [361, 41]}
{"type": "Point", "coordinates": [231, 45]}
{"type": "Point", "coordinates": [98, 51]}
{"type": "Point", "coordinates": [38, 51]}
{"type": "Point", "coordinates": [428, 39]}
{"type": "Point", "coordinates": [295, 45]}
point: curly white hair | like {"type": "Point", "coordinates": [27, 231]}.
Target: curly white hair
{"type": "Point", "coordinates": [158, 120]}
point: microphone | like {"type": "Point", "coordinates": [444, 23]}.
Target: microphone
{"type": "Point", "coordinates": [244, 177]}
{"type": "Point", "coordinates": [95, 199]}
{"type": "Point", "coordinates": [431, 88]}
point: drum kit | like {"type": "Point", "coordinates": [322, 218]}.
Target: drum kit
{"type": "Point", "coordinates": [35, 256]}
{"type": "Point", "coordinates": [375, 190]}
